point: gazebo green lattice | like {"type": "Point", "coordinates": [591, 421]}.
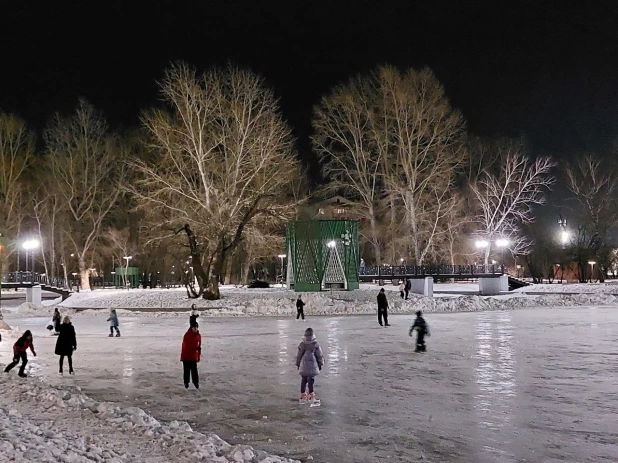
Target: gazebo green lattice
{"type": "Point", "coordinates": [322, 254]}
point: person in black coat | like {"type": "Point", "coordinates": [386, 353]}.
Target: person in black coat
{"type": "Point", "coordinates": [193, 316]}
{"type": "Point", "coordinates": [382, 308]}
{"type": "Point", "coordinates": [408, 287]}
{"type": "Point", "coordinates": [300, 312]}
{"type": "Point", "coordinates": [66, 343]}
{"type": "Point", "coordinates": [422, 330]}
{"type": "Point", "coordinates": [56, 319]}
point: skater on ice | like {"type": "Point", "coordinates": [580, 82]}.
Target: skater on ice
{"type": "Point", "coordinates": [300, 311]}
{"type": "Point", "coordinates": [66, 344]}
{"type": "Point", "coordinates": [56, 318]}
{"type": "Point", "coordinates": [402, 287]}
{"type": "Point", "coordinates": [113, 324]}
{"type": "Point", "coordinates": [19, 353]}
{"type": "Point", "coordinates": [190, 355]}
{"type": "Point", "coordinates": [309, 361]}
{"type": "Point", "coordinates": [408, 287]}
{"type": "Point", "coordinates": [422, 330]}
{"type": "Point", "coordinates": [382, 308]}
{"type": "Point", "coordinates": [193, 316]}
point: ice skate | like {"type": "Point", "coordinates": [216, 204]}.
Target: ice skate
{"type": "Point", "coordinates": [60, 373]}
{"type": "Point", "coordinates": [117, 335]}
{"type": "Point", "coordinates": [313, 400]}
{"type": "Point", "coordinates": [22, 375]}
{"type": "Point", "coordinates": [72, 372]}
{"type": "Point", "coordinates": [303, 398]}
{"type": "Point", "coordinates": [110, 335]}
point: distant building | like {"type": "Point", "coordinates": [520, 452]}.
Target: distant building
{"type": "Point", "coordinates": [336, 208]}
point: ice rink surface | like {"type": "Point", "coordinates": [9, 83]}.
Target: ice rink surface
{"type": "Point", "coordinates": [520, 386]}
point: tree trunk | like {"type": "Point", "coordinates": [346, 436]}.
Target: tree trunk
{"type": "Point", "coordinates": [84, 274]}
{"type": "Point", "coordinates": [374, 237]}
{"type": "Point", "coordinates": [228, 270]}
{"type": "Point", "coordinates": [411, 209]}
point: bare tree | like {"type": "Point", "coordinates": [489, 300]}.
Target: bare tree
{"type": "Point", "coordinates": [594, 185]}
{"type": "Point", "coordinates": [85, 161]}
{"type": "Point", "coordinates": [16, 154]}
{"type": "Point", "coordinates": [506, 193]}
{"type": "Point", "coordinates": [224, 160]}
{"type": "Point", "coordinates": [347, 150]}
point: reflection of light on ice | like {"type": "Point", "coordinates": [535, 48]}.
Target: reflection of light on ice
{"type": "Point", "coordinates": [284, 360]}
{"type": "Point", "coordinates": [333, 346]}
{"type": "Point", "coordinates": [495, 377]}
{"type": "Point", "coordinates": [127, 371]}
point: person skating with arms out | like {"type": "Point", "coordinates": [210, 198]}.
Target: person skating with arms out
{"type": "Point", "coordinates": [309, 361]}
{"type": "Point", "coordinates": [19, 353]}
{"type": "Point", "coordinates": [113, 324]}
{"type": "Point", "coordinates": [190, 355]}
{"type": "Point", "coordinates": [422, 330]}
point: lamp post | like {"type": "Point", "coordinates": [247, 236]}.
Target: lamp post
{"type": "Point", "coordinates": [591, 262]}
{"type": "Point", "coordinates": [502, 243]}
{"type": "Point", "coordinates": [30, 245]}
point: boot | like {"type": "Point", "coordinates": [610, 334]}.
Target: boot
{"type": "Point", "coordinates": [313, 398]}
{"type": "Point", "coordinates": [303, 398]}
{"type": "Point", "coordinates": [22, 375]}
{"type": "Point", "coordinates": [110, 335]}
{"type": "Point", "coordinates": [118, 334]}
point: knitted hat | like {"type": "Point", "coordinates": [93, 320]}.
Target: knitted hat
{"type": "Point", "coordinates": [309, 332]}
{"type": "Point", "coordinates": [419, 313]}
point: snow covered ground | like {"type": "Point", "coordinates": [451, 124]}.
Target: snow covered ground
{"type": "Point", "coordinates": [502, 386]}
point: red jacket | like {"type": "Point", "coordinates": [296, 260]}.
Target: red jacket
{"type": "Point", "coordinates": [191, 347]}
{"type": "Point", "coordinates": [25, 344]}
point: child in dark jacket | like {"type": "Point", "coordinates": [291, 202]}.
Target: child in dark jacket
{"type": "Point", "coordinates": [19, 353]}
{"type": "Point", "coordinates": [309, 361]}
{"type": "Point", "coordinates": [113, 324]}
{"type": "Point", "coordinates": [422, 330]}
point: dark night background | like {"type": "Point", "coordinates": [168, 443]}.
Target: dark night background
{"type": "Point", "coordinates": [544, 70]}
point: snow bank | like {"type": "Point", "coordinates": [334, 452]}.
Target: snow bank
{"type": "Point", "coordinates": [91, 437]}
{"type": "Point", "coordinates": [282, 302]}
{"type": "Point", "coordinates": [585, 288]}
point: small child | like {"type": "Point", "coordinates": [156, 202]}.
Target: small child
{"type": "Point", "coordinates": [309, 361]}
{"type": "Point", "coordinates": [422, 330]}
{"type": "Point", "coordinates": [19, 353]}
{"type": "Point", "coordinates": [193, 316]}
{"type": "Point", "coordinates": [300, 312]}
{"type": "Point", "coordinates": [113, 324]}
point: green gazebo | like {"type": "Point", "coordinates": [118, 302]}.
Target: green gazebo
{"type": "Point", "coordinates": [322, 254]}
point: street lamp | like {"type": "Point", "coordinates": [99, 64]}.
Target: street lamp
{"type": "Point", "coordinates": [481, 244]}
{"type": "Point", "coordinates": [591, 262]}
{"type": "Point", "coordinates": [502, 243]}
{"type": "Point", "coordinates": [331, 244]}
{"type": "Point", "coordinates": [282, 256]}
{"type": "Point", "coordinates": [30, 245]}
{"type": "Point", "coordinates": [564, 237]}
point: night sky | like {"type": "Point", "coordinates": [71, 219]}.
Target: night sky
{"type": "Point", "coordinates": [544, 70]}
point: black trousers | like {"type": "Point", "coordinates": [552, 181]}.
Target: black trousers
{"type": "Point", "coordinates": [383, 313]}
{"type": "Point", "coordinates": [420, 342]}
{"type": "Point", "coordinates": [69, 358]}
{"type": "Point", "coordinates": [300, 313]}
{"type": "Point", "coordinates": [306, 380]}
{"type": "Point", "coordinates": [190, 370]}
{"type": "Point", "coordinates": [24, 361]}
{"type": "Point", "coordinates": [407, 292]}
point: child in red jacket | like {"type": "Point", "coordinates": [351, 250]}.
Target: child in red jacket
{"type": "Point", "coordinates": [190, 355]}
{"type": "Point", "coordinates": [19, 352]}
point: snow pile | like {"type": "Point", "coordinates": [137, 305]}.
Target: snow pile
{"type": "Point", "coordinates": [41, 423]}
{"type": "Point", "coordinates": [28, 308]}
{"type": "Point", "coordinates": [586, 288]}
{"type": "Point", "coordinates": [281, 302]}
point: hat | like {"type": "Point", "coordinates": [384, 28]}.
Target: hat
{"type": "Point", "coordinates": [419, 313]}
{"type": "Point", "coordinates": [309, 332]}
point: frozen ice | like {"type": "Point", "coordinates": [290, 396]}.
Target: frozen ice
{"type": "Point", "coordinates": [535, 385]}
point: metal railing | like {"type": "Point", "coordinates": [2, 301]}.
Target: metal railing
{"type": "Point", "coordinates": [430, 270]}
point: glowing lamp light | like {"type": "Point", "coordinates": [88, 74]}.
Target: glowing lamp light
{"type": "Point", "coordinates": [331, 244]}
{"type": "Point", "coordinates": [30, 244]}
{"type": "Point", "coordinates": [481, 244]}
{"type": "Point", "coordinates": [502, 243]}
